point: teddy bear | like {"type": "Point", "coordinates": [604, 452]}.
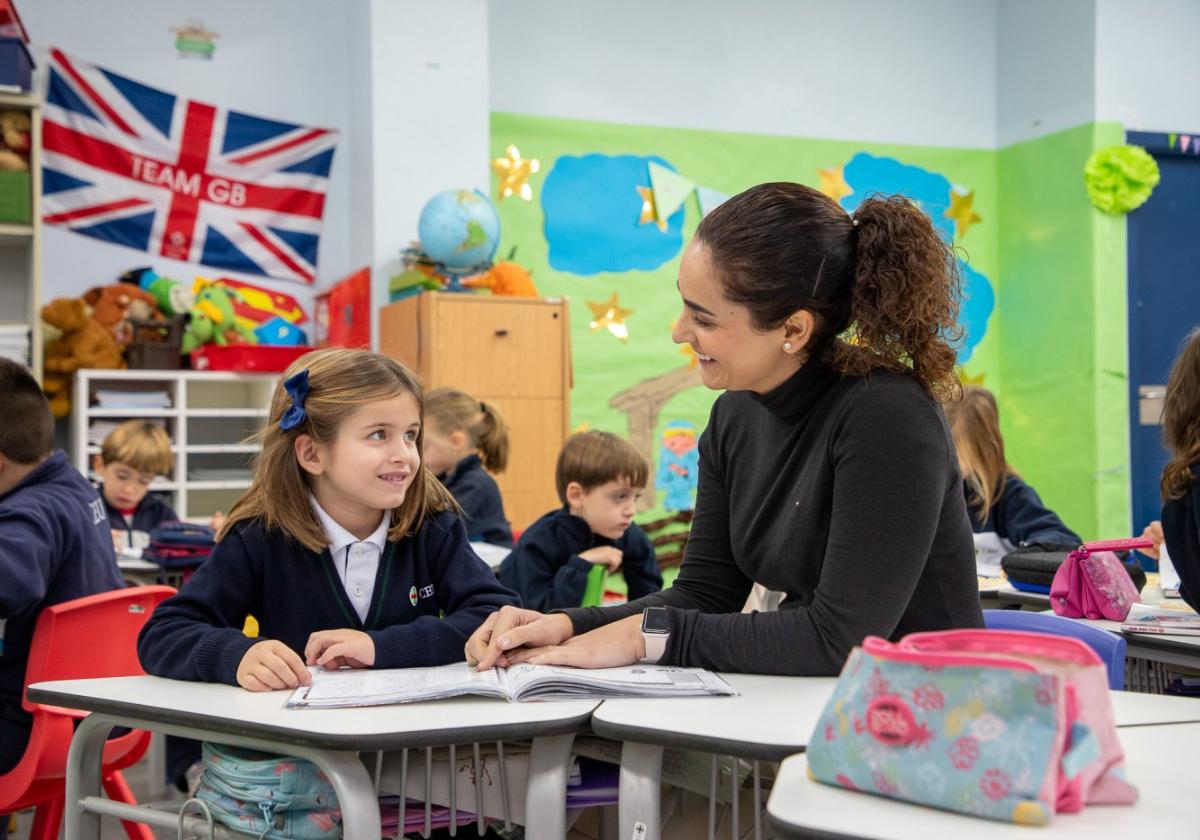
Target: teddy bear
{"type": "Point", "coordinates": [116, 305]}
{"type": "Point", "coordinates": [82, 343]}
{"type": "Point", "coordinates": [14, 132]}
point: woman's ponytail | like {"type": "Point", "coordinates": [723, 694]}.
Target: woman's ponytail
{"type": "Point", "coordinates": [491, 435]}
{"type": "Point", "coordinates": [904, 297]}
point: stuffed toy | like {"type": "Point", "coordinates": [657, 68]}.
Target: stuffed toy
{"type": "Point", "coordinates": [83, 343]}
{"type": "Point", "coordinates": [116, 305]}
{"type": "Point", "coordinates": [213, 320]}
{"type": "Point", "coordinates": [14, 148]}
{"type": "Point", "coordinates": [505, 278]}
{"type": "Point", "coordinates": [171, 296]}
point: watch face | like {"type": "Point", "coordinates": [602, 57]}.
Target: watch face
{"type": "Point", "coordinates": [654, 620]}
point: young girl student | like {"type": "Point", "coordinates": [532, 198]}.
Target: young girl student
{"type": "Point", "coordinates": [463, 436]}
{"type": "Point", "coordinates": [1004, 511]}
{"type": "Point", "coordinates": [1181, 477]}
{"type": "Point", "coordinates": [346, 550]}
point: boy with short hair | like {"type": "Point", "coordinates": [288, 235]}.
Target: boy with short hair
{"type": "Point", "coordinates": [55, 543]}
{"type": "Point", "coordinates": [131, 457]}
{"type": "Point", "coordinates": [599, 479]}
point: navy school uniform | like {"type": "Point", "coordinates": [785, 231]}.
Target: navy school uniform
{"type": "Point", "coordinates": [479, 497]}
{"type": "Point", "coordinates": [152, 511]}
{"type": "Point", "coordinates": [1019, 516]}
{"type": "Point", "coordinates": [545, 568]}
{"type": "Point", "coordinates": [1181, 532]}
{"type": "Point", "coordinates": [431, 592]}
{"type": "Point", "coordinates": [55, 546]}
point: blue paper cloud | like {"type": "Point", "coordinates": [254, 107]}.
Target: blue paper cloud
{"type": "Point", "coordinates": [592, 208]}
{"type": "Point", "coordinates": [867, 175]}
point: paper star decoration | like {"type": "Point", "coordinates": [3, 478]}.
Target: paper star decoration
{"type": "Point", "coordinates": [514, 171]}
{"type": "Point", "coordinates": [833, 183]}
{"type": "Point", "coordinates": [649, 211]}
{"type": "Point", "coordinates": [967, 379]}
{"type": "Point", "coordinates": [961, 212]}
{"type": "Point", "coordinates": [610, 316]}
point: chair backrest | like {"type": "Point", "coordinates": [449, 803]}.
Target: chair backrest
{"type": "Point", "coordinates": [669, 536]}
{"type": "Point", "coordinates": [1110, 647]}
{"type": "Point", "coordinates": [94, 636]}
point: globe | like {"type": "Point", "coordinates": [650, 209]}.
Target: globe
{"type": "Point", "coordinates": [460, 230]}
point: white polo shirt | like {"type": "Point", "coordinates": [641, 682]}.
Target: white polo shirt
{"type": "Point", "coordinates": [356, 561]}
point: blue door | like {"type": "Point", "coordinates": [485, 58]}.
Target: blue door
{"type": "Point", "coordinates": [1164, 302]}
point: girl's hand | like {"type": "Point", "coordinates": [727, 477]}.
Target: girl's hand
{"type": "Point", "coordinates": [271, 665]}
{"type": "Point", "coordinates": [510, 628]}
{"type": "Point", "coordinates": [611, 646]}
{"type": "Point", "coordinates": [1153, 532]}
{"type": "Point", "coordinates": [345, 648]}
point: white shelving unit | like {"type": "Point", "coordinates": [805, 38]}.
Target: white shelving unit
{"type": "Point", "coordinates": [210, 417]}
{"type": "Point", "coordinates": [20, 245]}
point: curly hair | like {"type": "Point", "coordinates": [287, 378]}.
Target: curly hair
{"type": "Point", "coordinates": [882, 279]}
{"type": "Point", "coordinates": [1181, 419]}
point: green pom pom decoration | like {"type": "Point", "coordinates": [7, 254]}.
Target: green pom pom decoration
{"type": "Point", "coordinates": [1120, 178]}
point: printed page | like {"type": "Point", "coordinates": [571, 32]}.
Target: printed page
{"type": "Point", "coordinates": [989, 551]}
{"type": "Point", "coordinates": [527, 682]}
{"type": "Point", "coordinates": [366, 687]}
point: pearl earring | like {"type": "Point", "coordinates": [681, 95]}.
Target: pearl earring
{"type": "Point", "coordinates": [787, 345]}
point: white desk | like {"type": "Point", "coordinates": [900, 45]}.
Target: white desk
{"type": "Point", "coordinates": [1154, 756]}
{"type": "Point", "coordinates": [771, 719]}
{"type": "Point", "coordinates": [1131, 708]}
{"type": "Point", "coordinates": [331, 738]}
{"type": "Point", "coordinates": [1008, 595]}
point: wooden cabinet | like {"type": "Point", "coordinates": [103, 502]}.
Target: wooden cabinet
{"type": "Point", "coordinates": [512, 352]}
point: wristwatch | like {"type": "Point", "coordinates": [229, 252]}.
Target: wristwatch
{"type": "Point", "coordinates": [656, 629]}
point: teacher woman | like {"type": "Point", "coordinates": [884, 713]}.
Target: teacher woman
{"type": "Point", "coordinates": [827, 469]}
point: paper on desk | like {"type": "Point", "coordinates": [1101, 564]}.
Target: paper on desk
{"type": "Point", "coordinates": [989, 551]}
{"type": "Point", "coordinates": [366, 687]}
{"type": "Point", "coordinates": [491, 554]}
{"type": "Point", "coordinates": [1168, 577]}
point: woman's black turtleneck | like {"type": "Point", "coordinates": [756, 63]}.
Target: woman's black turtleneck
{"type": "Point", "coordinates": [844, 492]}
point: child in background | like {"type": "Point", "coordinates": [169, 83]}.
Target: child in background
{"type": "Point", "coordinates": [458, 431]}
{"type": "Point", "coordinates": [599, 478]}
{"type": "Point", "coordinates": [1181, 498]}
{"type": "Point", "coordinates": [1003, 509]}
{"type": "Point", "coordinates": [131, 457]}
{"type": "Point", "coordinates": [55, 543]}
{"type": "Point", "coordinates": [344, 548]}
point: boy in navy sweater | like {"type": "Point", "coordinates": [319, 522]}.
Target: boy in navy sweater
{"type": "Point", "coordinates": [55, 543]}
{"type": "Point", "coordinates": [599, 479]}
{"type": "Point", "coordinates": [131, 457]}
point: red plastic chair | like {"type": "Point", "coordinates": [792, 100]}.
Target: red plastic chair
{"type": "Point", "coordinates": [94, 636]}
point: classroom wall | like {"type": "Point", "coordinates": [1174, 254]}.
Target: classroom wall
{"type": "Point", "coordinates": [920, 72]}
{"type": "Point", "coordinates": [297, 74]}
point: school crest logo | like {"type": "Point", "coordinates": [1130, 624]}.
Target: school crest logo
{"type": "Point", "coordinates": [412, 596]}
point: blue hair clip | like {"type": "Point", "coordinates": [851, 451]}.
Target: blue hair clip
{"type": "Point", "coordinates": [297, 387]}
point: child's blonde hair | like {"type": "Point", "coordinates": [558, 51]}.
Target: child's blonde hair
{"type": "Point", "coordinates": [594, 458]}
{"type": "Point", "coordinates": [139, 444]}
{"type": "Point", "coordinates": [340, 382]}
{"type": "Point", "coordinates": [1181, 419]}
{"type": "Point", "coordinates": [975, 425]}
{"type": "Point", "coordinates": [451, 410]}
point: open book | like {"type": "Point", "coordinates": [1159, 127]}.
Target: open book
{"type": "Point", "coordinates": [364, 687]}
{"type": "Point", "coordinates": [1173, 624]}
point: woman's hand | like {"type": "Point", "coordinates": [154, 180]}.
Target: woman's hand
{"type": "Point", "coordinates": [510, 628]}
{"type": "Point", "coordinates": [1153, 532]}
{"type": "Point", "coordinates": [344, 648]}
{"type": "Point", "coordinates": [611, 646]}
{"type": "Point", "coordinates": [271, 665]}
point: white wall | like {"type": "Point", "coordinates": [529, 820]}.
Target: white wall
{"type": "Point", "coordinates": [898, 71]}
{"type": "Point", "coordinates": [1046, 69]}
{"type": "Point", "coordinates": [1146, 75]}
{"type": "Point", "coordinates": [283, 59]}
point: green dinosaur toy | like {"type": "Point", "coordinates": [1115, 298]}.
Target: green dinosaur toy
{"type": "Point", "coordinates": [212, 319]}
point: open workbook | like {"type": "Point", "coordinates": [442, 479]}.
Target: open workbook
{"type": "Point", "coordinates": [344, 688]}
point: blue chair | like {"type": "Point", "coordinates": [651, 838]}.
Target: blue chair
{"type": "Point", "coordinates": [1110, 647]}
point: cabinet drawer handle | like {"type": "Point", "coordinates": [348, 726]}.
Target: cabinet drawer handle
{"type": "Point", "coordinates": [501, 333]}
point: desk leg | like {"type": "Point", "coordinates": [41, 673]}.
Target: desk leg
{"type": "Point", "coordinates": [546, 795]}
{"type": "Point", "coordinates": [83, 775]}
{"type": "Point", "coordinates": [640, 791]}
{"type": "Point", "coordinates": [355, 792]}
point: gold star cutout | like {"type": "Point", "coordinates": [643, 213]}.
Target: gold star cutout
{"type": "Point", "coordinates": [649, 211]}
{"type": "Point", "coordinates": [581, 428]}
{"type": "Point", "coordinates": [833, 183]}
{"type": "Point", "coordinates": [514, 171]}
{"type": "Point", "coordinates": [961, 212]}
{"type": "Point", "coordinates": [610, 316]}
{"type": "Point", "coordinates": [967, 379]}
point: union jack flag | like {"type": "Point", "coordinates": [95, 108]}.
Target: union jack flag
{"type": "Point", "coordinates": [141, 167]}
